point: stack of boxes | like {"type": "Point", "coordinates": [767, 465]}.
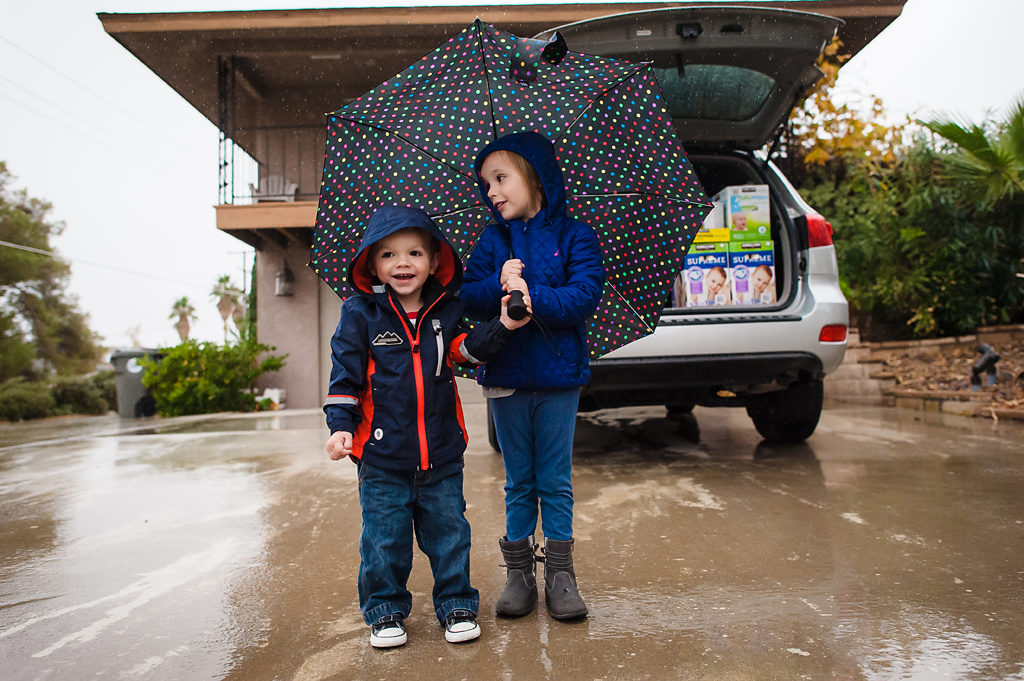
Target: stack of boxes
{"type": "Point", "coordinates": [732, 259]}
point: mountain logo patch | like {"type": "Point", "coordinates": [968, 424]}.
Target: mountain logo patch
{"type": "Point", "coordinates": [387, 338]}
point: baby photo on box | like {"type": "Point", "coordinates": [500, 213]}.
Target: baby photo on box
{"type": "Point", "coordinates": [705, 278]}
{"type": "Point", "coordinates": [747, 212]}
{"type": "Point", "coordinates": [752, 265]}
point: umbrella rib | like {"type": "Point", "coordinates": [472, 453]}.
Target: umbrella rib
{"type": "Point", "coordinates": [483, 58]}
{"type": "Point", "coordinates": [475, 206]}
{"type": "Point", "coordinates": [589, 106]}
{"type": "Point", "coordinates": [658, 196]}
{"type": "Point", "coordinates": [631, 308]}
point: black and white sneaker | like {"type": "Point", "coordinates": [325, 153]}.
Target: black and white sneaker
{"type": "Point", "coordinates": [388, 631]}
{"type": "Point", "coordinates": [461, 626]}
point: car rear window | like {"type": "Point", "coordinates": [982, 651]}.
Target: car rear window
{"type": "Point", "coordinates": [712, 91]}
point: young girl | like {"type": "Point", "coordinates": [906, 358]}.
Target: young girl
{"type": "Point", "coordinates": [533, 385]}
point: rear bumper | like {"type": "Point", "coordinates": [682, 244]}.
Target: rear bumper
{"type": "Point", "coordinates": [709, 380]}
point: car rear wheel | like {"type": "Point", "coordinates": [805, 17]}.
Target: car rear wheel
{"type": "Point", "coordinates": [492, 432]}
{"type": "Point", "coordinates": [789, 415]}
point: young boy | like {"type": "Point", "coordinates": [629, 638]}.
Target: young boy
{"type": "Point", "coordinates": [394, 409]}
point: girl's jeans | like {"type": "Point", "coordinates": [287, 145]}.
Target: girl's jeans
{"type": "Point", "coordinates": [395, 505]}
{"type": "Point", "coordinates": [535, 431]}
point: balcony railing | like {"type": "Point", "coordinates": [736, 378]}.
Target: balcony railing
{"type": "Point", "coordinates": [263, 163]}
{"type": "Point", "coordinates": [283, 164]}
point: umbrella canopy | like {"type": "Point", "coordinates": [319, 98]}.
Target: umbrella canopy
{"type": "Point", "coordinates": [412, 142]}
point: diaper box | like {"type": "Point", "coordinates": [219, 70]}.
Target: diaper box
{"type": "Point", "coordinates": [752, 272]}
{"type": "Point", "coordinates": [705, 278]}
{"type": "Point", "coordinates": [747, 214]}
{"type": "Point", "coordinates": [713, 230]}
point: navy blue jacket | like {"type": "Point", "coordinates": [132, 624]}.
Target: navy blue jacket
{"type": "Point", "coordinates": [392, 385]}
{"type": "Point", "coordinates": [562, 268]}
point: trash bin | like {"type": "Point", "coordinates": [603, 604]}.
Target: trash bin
{"type": "Point", "coordinates": [133, 398]}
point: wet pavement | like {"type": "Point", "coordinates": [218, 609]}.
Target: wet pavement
{"type": "Point", "coordinates": [889, 546]}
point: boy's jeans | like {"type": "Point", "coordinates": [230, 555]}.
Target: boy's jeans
{"type": "Point", "coordinates": [535, 431]}
{"type": "Point", "coordinates": [394, 505]}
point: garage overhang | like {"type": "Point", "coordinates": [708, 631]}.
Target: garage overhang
{"type": "Point", "coordinates": [322, 58]}
{"type": "Point", "coordinates": [288, 68]}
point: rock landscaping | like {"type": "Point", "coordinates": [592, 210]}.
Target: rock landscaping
{"type": "Point", "coordinates": [935, 374]}
{"type": "Point", "coordinates": [950, 371]}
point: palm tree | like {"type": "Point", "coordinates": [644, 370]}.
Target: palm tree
{"type": "Point", "coordinates": [988, 160]}
{"type": "Point", "coordinates": [223, 291]}
{"type": "Point", "coordinates": [183, 310]}
{"type": "Point", "coordinates": [238, 314]}
{"type": "Point", "coordinates": [230, 302]}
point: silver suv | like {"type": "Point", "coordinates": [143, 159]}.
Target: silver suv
{"type": "Point", "coordinates": [730, 77]}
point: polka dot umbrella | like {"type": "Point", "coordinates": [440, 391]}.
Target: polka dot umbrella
{"type": "Point", "coordinates": [412, 142]}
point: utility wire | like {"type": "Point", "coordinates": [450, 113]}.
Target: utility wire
{"type": "Point", "coordinates": [78, 118]}
{"type": "Point", "coordinates": [103, 99]}
{"type": "Point", "coordinates": [57, 256]}
{"type": "Point", "coordinates": [105, 146]}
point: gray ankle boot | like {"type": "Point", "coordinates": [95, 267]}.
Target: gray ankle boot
{"type": "Point", "coordinates": [564, 601]}
{"type": "Point", "coordinates": [521, 586]}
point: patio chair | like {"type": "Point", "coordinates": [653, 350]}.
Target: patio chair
{"type": "Point", "coordinates": [273, 188]}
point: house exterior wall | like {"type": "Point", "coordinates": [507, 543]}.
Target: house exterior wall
{"type": "Point", "coordinates": [291, 324]}
{"type": "Point", "coordinates": [330, 312]}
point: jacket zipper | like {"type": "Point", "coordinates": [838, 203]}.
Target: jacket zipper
{"type": "Point", "coordinates": [526, 247]}
{"type": "Point", "coordinates": [417, 370]}
{"type": "Point", "coordinates": [440, 345]}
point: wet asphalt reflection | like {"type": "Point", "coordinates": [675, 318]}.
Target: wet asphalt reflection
{"type": "Point", "coordinates": [889, 546]}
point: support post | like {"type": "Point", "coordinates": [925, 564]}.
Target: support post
{"type": "Point", "coordinates": [226, 124]}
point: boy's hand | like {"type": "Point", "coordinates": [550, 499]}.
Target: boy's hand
{"type": "Point", "coordinates": [512, 269]}
{"type": "Point", "coordinates": [339, 445]}
{"type": "Point", "coordinates": [512, 324]}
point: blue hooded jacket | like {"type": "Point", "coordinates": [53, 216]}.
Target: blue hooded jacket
{"type": "Point", "coordinates": [392, 384]}
{"type": "Point", "coordinates": [562, 268]}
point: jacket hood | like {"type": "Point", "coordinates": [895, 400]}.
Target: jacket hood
{"type": "Point", "coordinates": [385, 222]}
{"type": "Point", "coordinates": [540, 153]}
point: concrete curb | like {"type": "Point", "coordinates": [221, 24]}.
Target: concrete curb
{"type": "Point", "coordinates": [952, 402]}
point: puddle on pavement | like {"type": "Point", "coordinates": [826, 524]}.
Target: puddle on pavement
{"type": "Point", "coordinates": [883, 548]}
{"type": "Point", "coordinates": [26, 432]}
{"type": "Point", "coordinates": [279, 421]}
{"type": "Point", "coordinates": [69, 428]}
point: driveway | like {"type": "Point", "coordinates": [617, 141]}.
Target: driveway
{"type": "Point", "coordinates": [889, 546]}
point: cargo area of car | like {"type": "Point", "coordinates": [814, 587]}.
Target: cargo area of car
{"type": "Point", "coordinates": [730, 76]}
{"type": "Point", "coordinates": [718, 171]}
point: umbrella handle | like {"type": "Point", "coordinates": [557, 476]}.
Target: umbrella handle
{"type": "Point", "coordinates": [516, 305]}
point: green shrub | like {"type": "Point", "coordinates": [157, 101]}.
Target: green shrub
{"type": "Point", "coordinates": [21, 400]}
{"type": "Point", "coordinates": [78, 395]}
{"type": "Point", "coordinates": [106, 383]}
{"type": "Point", "coordinates": [205, 378]}
{"type": "Point", "coordinates": [916, 259]}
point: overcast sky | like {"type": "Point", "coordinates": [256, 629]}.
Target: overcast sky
{"type": "Point", "coordinates": [131, 168]}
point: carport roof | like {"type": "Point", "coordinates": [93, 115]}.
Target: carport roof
{"type": "Point", "coordinates": [342, 53]}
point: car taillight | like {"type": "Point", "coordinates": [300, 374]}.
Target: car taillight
{"type": "Point", "coordinates": [833, 333]}
{"type": "Point", "coordinates": [819, 231]}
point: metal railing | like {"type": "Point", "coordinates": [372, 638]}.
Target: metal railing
{"type": "Point", "coordinates": [263, 163]}
{"type": "Point", "coordinates": [286, 156]}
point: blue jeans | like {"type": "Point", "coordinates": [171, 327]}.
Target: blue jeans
{"type": "Point", "coordinates": [395, 505]}
{"type": "Point", "coordinates": [535, 431]}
